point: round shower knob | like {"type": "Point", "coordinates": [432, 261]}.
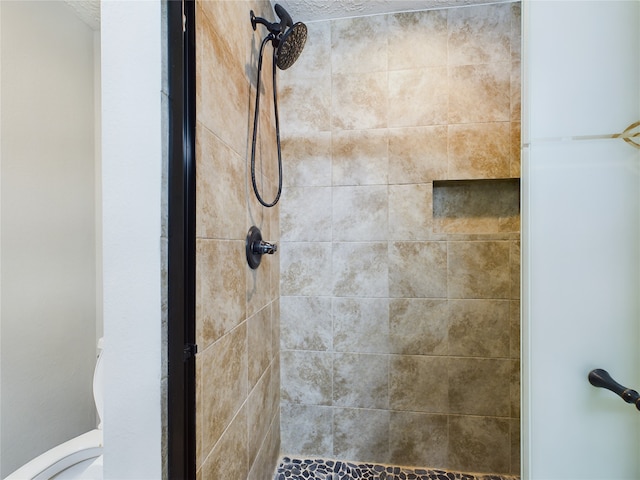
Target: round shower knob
{"type": "Point", "coordinates": [256, 247]}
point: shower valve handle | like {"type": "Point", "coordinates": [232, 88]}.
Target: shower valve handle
{"type": "Point", "coordinates": [256, 247]}
{"type": "Point", "coordinates": [601, 378]}
{"type": "Point", "coordinates": [263, 248]}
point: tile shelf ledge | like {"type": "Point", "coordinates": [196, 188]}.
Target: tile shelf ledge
{"type": "Point", "coordinates": [454, 181]}
{"type": "Point", "coordinates": [476, 206]}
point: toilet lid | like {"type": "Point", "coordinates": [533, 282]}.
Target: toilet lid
{"type": "Point", "coordinates": [91, 469]}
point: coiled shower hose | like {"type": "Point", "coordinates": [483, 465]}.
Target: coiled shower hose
{"type": "Point", "coordinates": [255, 127]}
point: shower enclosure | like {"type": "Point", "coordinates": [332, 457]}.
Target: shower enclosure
{"type": "Point", "coordinates": [379, 336]}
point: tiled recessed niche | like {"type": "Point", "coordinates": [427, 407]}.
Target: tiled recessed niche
{"type": "Point", "coordinates": [476, 206]}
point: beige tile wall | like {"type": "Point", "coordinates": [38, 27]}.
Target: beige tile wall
{"type": "Point", "coordinates": [237, 309]}
{"type": "Point", "coordinates": [400, 300]}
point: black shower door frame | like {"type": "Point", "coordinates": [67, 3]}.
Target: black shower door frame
{"type": "Point", "coordinates": [181, 283]}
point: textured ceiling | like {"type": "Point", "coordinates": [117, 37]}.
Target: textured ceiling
{"type": "Point", "coordinates": [310, 10]}
{"type": "Point", "coordinates": [87, 10]}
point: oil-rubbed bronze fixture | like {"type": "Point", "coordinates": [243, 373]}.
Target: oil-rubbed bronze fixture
{"type": "Point", "coordinates": [288, 40]}
{"type": "Point", "coordinates": [601, 378]}
{"type": "Point", "coordinates": [256, 247]}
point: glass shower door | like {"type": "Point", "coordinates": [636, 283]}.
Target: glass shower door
{"type": "Point", "coordinates": [581, 238]}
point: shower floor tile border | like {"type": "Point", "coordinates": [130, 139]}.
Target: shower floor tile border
{"type": "Point", "coordinates": [323, 469]}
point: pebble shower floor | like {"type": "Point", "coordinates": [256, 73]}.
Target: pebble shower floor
{"type": "Point", "coordinates": [318, 469]}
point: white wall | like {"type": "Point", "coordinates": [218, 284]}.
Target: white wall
{"type": "Point", "coordinates": [48, 242]}
{"type": "Point", "coordinates": [97, 109]}
{"type": "Point", "coordinates": [131, 181]}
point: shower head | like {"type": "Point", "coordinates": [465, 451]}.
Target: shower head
{"type": "Point", "coordinates": [290, 45]}
{"type": "Point", "coordinates": [288, 38]}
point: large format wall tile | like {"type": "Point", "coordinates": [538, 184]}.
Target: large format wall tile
{"type": "Point", "coordinates": [515, 446]}
{"type": "Point", "coordinates": [306, 159]}
{"type": "Point", "coordinates": [515, 269]}
{"type": "Point", "coordinates": [408, 262]}
{"type": "Point", "coordinates": [480, 35]}
{"type": "Point", "coordinates": [220, 169]}
{"type": "Point", "coordinates": [315, 60]}
{"type": "Point", "coordinates": [360, 269]}
{"type": "Point", "coordinates": [480, 93]}
{"type": "Point", "coordinates": [268, 454]}
{"type": "Point", "coordinates": [266, 154]}
{"type": "Point", "coordinates": [419, 326]}
{"type": "Point", "coordinates": [360, 325]}
{"type": "Point", "coordinates": [229, 15]}
{"type": "Point", "coordinates": [479, 386]}
{"type": "Point", "coordinates": [480, 150]}
{"type": "Point", "coordinates": [516, 92]}
{"type": "Point", "coordinates": [260, 289]}
{"type": "Point", "coordinates": [358, 101]}
{"type": "Point", "coordinates": [479, 328]}
{"type": "Point", "coordinates": [308, 378]}
{"type": "Point", "coordinates": [237, 365]}
{"type": "Point", "coordinates": [418, 439]}
{"type": "Point", "coordinates": [274, 392]}
{"type": "Point", "coordinates": [308, 104]}
{"type": "Point", "coordinates": [305, 214]}
{"type": "Point", "coordinates": [306, 323]}
{"type": "Point", "coordinates": [516, 145]}
{"type": "Point", "coordinates": [514, 315]}
{"type": "Point", "coordinates": [418, 383]}
{"type": "Point", "coordinates": [361, 380]}
{"type": "Point", "coordinates": [479, 269]}
{"type": "Point", "coordinates": [259, 413]}
{"type": "Point", "coordinates": [480, 443]}
{"type": "Point", "coordinates": [400, 314]}
{"type": "Point", "coordinates": [417, 155]}
{"type": "Point", "coordinates": [515, 389]}
{"type": "Point", "coordinates": [306, 268]}
{"type": "Point", "coordinates": [221, 300]}
{"type": "Point", "coordinates": [417, 39]}
{"type": "Point", "coordinates": [308, 429]}
{"type": "Point", "coordinates": [259, 344]}
{"type": "Point", "coordinates": [222, 91]}
{"type": "Point", "coordinates": [349, 54]}
{"type": "Point", "coordinates": [360, 213]}
{"type": "Point", "coordinates": [410, 212]}
{"type": "Point", "coordinates": [359, 157]}
{"type": "Point", "coordinates": [429, 85]}
{"type": "Point", "coordinates": [223, 380]}
{"type": "Point", "coordinates": [361, 433]}
{"type": "Point", "coordinates": [516, 31]}
{"type": "Point", "coordinates": [229, 457]}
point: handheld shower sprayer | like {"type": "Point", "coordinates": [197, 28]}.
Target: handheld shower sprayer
{"type": "Point", "coordinates": [288, 40]}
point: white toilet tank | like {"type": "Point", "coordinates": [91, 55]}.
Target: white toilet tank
{"type": "Point", "coordinates": [98, 382]}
